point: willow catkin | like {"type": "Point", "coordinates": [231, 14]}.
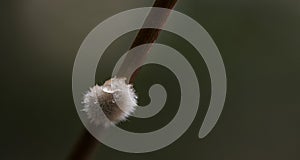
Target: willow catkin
{"type": "Point", "coordinates": [115, 98]}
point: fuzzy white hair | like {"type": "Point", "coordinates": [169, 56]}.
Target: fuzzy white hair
{"type": "Point", "coordinates": [115, 98]}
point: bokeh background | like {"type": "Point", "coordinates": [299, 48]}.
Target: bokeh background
{"type": "Point", "coordinates": [259, 42]}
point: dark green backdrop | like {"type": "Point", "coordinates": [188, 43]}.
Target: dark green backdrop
{"type": "Point", "coordinates": [259, 42]}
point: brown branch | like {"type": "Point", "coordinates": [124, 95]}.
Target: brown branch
{"type": "Point", "coordinates": [146, 35]}
{"type": "Point", "coordinates": [84, 148]}
{"type": "Point", "coordinates": [86, 145]}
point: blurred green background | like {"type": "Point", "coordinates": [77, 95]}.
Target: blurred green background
{"type": "Point", "coordinates": [259, 42]}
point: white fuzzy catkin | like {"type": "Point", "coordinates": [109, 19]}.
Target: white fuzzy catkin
{"type": "Point", "coordinates": [115, 97]}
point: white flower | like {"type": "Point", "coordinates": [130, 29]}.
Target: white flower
{"type": "Point", "coordinates": [116, 99]}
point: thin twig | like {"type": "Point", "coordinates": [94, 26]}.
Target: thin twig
{"type": "Point", "coordinates": [84, 148]}
{"type": "Point", "coordinates": [144, 36]}
{"type": "Point", "coordinates": [86, 145]}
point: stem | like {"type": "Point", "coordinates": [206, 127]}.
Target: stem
{"type": "Point", "coordinates": [144, 36]}
{"type": "Point", "coordinates": [84, 148]}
